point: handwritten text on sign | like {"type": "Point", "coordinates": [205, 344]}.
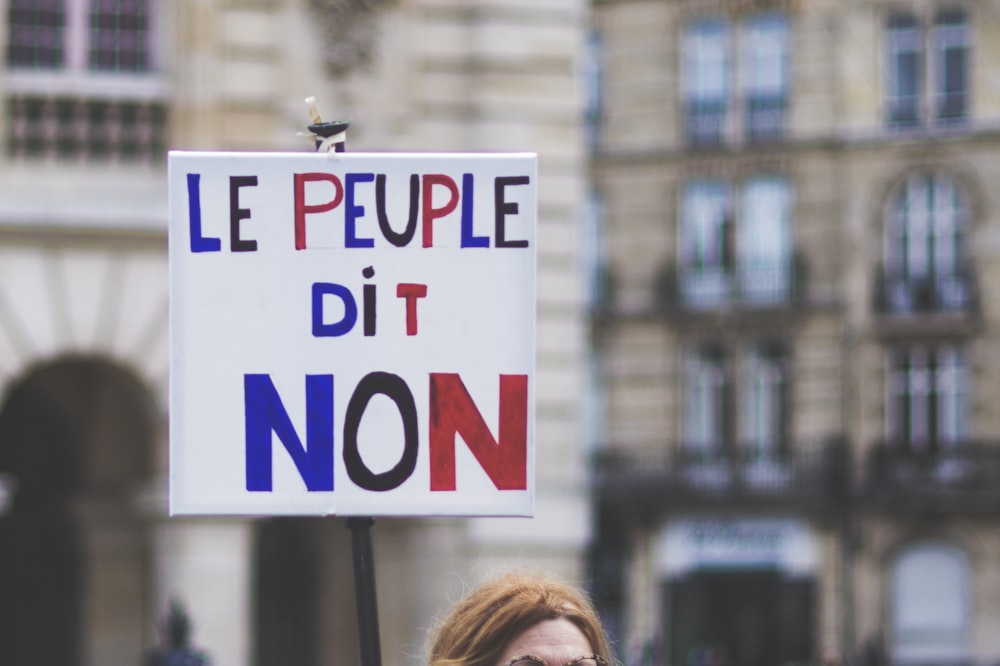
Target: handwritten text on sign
{"type": "Point", "coordinates": [352, 333]}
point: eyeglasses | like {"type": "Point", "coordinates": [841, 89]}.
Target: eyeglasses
{"type": "Point", "coordinates": [532, 660]}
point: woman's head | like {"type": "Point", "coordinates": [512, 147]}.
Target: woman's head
{"type": "Point", "coordinates": [500, 611]}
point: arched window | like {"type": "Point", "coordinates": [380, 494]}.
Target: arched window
{"type": "Point", "coordinates": [929, 605]}
{"type": "Point", "coordinates": [924, 246]}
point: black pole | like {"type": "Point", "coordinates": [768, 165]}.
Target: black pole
{"type": "Point", "coordinates": [364, 590]}
{"type": "Point", "coordinates": [334, 136]}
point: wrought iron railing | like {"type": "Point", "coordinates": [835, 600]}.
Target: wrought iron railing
{"type": "Point", "coordinates": [750, 284]}
{"type": "Point", "coordinates": [645, 476]}
{"type": "Point", "coordinates": [898, 294]}
{"type": "Point", "coordinates": [945, 476]}
{"type": "Point", "coordinates": [764, 117]}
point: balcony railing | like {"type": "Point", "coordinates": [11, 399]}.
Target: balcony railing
{"type": "Point", "coordinates": [905, 295]}
{"type": "Point", "coordinates": [753, 284]}
{"type": "Point", "coordinates": [651, 479]}
{"type": "Point", "coordinates": [705, 121]}
{"type": "Point", "coordinates": [765, 117]}
{"type": "Point", "coordinates": [959, 476]}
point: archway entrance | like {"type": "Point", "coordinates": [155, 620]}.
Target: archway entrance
{"type": "Point", "coordinates": [76, 436]}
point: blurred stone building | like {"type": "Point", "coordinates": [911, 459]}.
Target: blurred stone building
{"type": "Point", "coordinates": [796, 314]}
{"type": "Point", "coordinates": [94, 92]}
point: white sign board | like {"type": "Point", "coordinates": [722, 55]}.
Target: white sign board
{"type": "Point", "coordinates": [352, 333]}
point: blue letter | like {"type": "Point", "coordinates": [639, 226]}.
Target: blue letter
{"type": "Point", "coordinates": [353, 212]}
{"type": "Point", "coordinates": [264, 413]}
{"type": "Point", "coordinates": [198, 242]}
{"type": "Point", "coordinates": [346, 323]}
{"type": "Point", "coordinates": [468, 238]}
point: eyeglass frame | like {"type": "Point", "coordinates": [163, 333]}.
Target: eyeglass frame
{"type": "Point", "coordinates": [601, 661]}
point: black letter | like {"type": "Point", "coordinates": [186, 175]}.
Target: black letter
{"type": "Point", "coordinates": [395, 388]}
{"type": "Point", "coordinates": [368, 296]}
{"type": "Point", "coordinates": [399, 240]}
{"type": "Point", "coordinates": [236, 214]}
{"type": "Point", "coordinates": [503, 209]}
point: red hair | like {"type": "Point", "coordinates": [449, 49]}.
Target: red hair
{"type": "Point", "coordinates": [478, 629]}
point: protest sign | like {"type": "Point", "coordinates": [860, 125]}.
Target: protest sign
{"type": "Point", "coordinates": [352, 333]}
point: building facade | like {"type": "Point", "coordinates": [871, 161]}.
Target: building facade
{"type": "Point", "coordinates": [795, 323]}
{"type": "Point", "coordinates": [94, 94]}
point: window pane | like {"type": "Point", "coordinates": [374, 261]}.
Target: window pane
{"type": "Point", "coordinates": [924, 254]}
{"type": "Point", "coordinates": [705, 56]}
{"type": "Point", "coordinates": [119, 37]}
{"type": "Point", "coordinates": [927, 397]}
{"type": "Point", "coordinates": [704, 79]}
{"type": "Point", "coordinates": [764, 73]}
{"type": "Point", "coordinates": [37, 31]}
{"type": "Point", "coordinates": [703, 398]}
{"type": "Point", "coordinates": [903, 87]}
{"type": "Point", "coordinates": [705, 243]}
{"type": "Point", "coordinates": [951, 391]}
{"type": "Point", "coordinates": [951, 66]}
{"type": "Point", "coordinates": [765, 50]}
{"type": "Point", "coordinates": [763, 386]}
{"type": "Point", "coordinates": [764, 237]}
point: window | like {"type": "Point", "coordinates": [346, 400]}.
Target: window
{"type": "Point", "coordinates": [905, 72]}
{"type": "Point", "coordinates": [764, 69]}
{"type": "Point", "coordinates": [706, 244]}
{"type": "Point", "coordinates": [925, 265]}
{"type": "Point", "coordinates": [37, 30]}
{"type": "Point", "coordinates": [762, 431]}
{"type": "Point", "coordinates": [951, 48]}
{"type": "Point", "coordinates": [927, 398]}
{"type": "Point", "coordinates": [705, 77]}
{"type": "Point", "coordinates": [927, 70]}
{"type": "Point", "coordinates": [735, 416]}
{"type": "Point", "coordinates": [735, 250]}
{"type": "Point", "coordinates": [705, 397]}
{"type": "Point", "coordinates": [82, 83]}
{"type": "Point", "coordinates": [708, 399]}
{"type": "Point", "coordinates": [119, 37]}
{"type": "Point", "coordinates": [764, 241]}
{"type": "Point", "coordinates": [930, 605]}
{"type": "Point", "coordinates": [712, 112]}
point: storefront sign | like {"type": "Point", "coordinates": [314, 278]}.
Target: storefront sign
{"type": "Point", "coordinates": [784, 544]}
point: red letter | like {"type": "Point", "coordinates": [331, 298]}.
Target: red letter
{"type": "Point", "coordinates": [301, 209]}
{"type": "Point", "coordinates": [430, 213]}
{"type": "Point", "coordinates": [411, 292]}
{"type": "Point", "coordinates": [453, 413]}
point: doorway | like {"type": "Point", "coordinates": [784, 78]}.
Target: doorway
{"type": "Point", "coordinates": [739, 618]}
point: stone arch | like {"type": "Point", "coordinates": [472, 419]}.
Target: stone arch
{"type": "Point", "coordinates": [76, 436]}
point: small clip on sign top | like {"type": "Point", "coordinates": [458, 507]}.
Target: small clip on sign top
{"type": "Point", "coordinates": [329, 136]}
